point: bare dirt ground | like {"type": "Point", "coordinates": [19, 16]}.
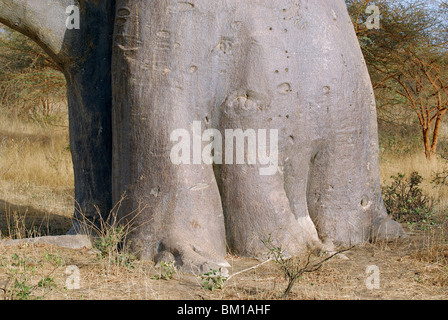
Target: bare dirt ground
{"type": "Point", "coordinates": [414, 269]}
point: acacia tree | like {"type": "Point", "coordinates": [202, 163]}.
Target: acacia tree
{"type": "Point", "coordinates": [407, 59]}
{"type": "Point", "coordinates": [139, 71]}
{"type": "Point", "coordinates": [29, 77]}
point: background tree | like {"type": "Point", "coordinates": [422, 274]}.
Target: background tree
{"type": "Point", "coordinates": [408, 60]}
{"type": "Point", "coordinates": [30, 81]}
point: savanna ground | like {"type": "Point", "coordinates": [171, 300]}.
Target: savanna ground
{"type": "Point", "coordinates": [36, 198]}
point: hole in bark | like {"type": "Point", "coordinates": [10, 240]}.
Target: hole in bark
{"type": "Point", "coordinates": [236, 24]}
{"type": "Point", "coordinates": [284, 88]}
{"type": "Point", "coordinates": [365, 201]}
{"type": "Point", "coordinates": [123, 12]}
{"type": "Point", "coordinates": [314, 157]}
{"type": "Point", "coordinates": [193, 69]}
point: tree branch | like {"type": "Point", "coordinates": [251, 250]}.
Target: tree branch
{"type": "Point", "coordinates": [248, 269]}
{"type": "Point", "coordinates": [41, 20]}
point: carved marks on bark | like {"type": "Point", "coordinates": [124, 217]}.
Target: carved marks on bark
{"type": "Point", "coordinates": [126, 38]}
{"type": "Point", "coordinates": [293, 14]}
{"type": "Point", "coordinates": [181, 7]}
{"type": "Point", "coordinates": [245, 103]}
{"type": "Point", "coordinates": [224, 46]}
{"type": "Point", "coordinates": [162, 48]}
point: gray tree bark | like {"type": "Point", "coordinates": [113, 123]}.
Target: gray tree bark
{"type": "Point", "coordinates": [291, 66]}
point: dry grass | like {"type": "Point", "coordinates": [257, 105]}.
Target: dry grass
{"type": "Point", "coordinates": [433, 253]}
{"type": "Point", "coordinates": [35, 155]}
{"type": "Point", "coordinates": [36, 176]}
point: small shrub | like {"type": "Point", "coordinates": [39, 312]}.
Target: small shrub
{"type": "Point", "coordinates": [19, 285]}
{"type": "Point", "coordinates": [213, 280]}
{"type": "Point", "coordinates": [293, 268]}
{"type": "Point", "coordinates": [167, 270]}
{"type": "Point", "coordinates": [54, 259]}
{"type": "Point", "coordinates": [441, 178]}
{"type": "Point", "coordinates": [110, 236]}
{"type": "Point", "coordinates": [22, 290]}
{"type": "Point", "coordinates": [46, 282]}
{"type": "Point", "coordinates": [405, 201]}
{"type": "Point", "coordinates": [108, 244]}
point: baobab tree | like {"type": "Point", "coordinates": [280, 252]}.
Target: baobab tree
{"type": "Point", "coordinates": [137, 71]}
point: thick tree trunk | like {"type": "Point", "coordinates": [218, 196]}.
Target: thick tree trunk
{"type": "Point", "coordinates": [179, 209]}
{"type": "Point", "coordinates": [90, 104]}
{"type": "Point", "coordinates": [295, 68]}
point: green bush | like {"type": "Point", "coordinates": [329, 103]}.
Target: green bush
{"type": "Point", "coordinates": [405, 201]}
{"type": "Point", "coordinates": [213, 280]}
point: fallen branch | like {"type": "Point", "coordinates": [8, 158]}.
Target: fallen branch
{"type": "Point", "coordinates": [249, 269]}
